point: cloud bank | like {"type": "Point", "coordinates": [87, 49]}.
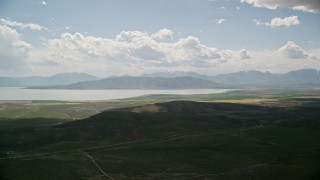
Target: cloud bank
{"type": "Point", "coordinates": [138, 47]}
{"type": "Point", "coordinates": [136, 52]}
{"type": "Point", "coordinates": [312, 6]}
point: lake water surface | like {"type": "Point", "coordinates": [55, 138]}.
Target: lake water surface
{"type": "Point", "coordinates": [18, 93]}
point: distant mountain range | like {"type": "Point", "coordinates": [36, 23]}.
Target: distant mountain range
{"type": "Point", "coordinates": [293, 79]}
{"type": "Point", "coordinates": [129, 82]}
{"type": "Point", "coordinates": [308, 77]}
{"type": "Point", "coordinates": [173, 74]}
{"type": "Point", "coordinates": [58, 79]}
{"type": "Point", "coordinates": [303, 78]}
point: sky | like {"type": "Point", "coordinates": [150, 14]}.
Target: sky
{"type": "Point", "coordinates": [132, 37]}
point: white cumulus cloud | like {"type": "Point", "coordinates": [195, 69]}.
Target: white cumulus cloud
{"type": "Point", "coordinates": [134, 48]}
{"type": "Point", "coordinates": [31, 26]}
{"type": "Point", "coordinates": [285, 22]}
{"type": "Point", "coordinates": [280, 22]}
{"type": "Point", "coordinates": [293, 51]}
{"type": "Point", "coordinates": [134, 52]}
{"type": "Point", "coordinates": [312, 6]}
{"type": "Point", "coordinates": [13, 50]}
{"type": "Point", "coordinates": [243, 54]}
{"type": "Point", "coordinates": [43, 3]}
{"type": "Point", "coordinates": [163, 34]}
{"type": "Point", "coordinates": [219, 21]}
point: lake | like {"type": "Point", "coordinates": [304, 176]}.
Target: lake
{"type": "Point", "coordinates": [19, 93]}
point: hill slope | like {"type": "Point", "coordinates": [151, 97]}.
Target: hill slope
{"type": "Point", "coordinates": [173, 140]}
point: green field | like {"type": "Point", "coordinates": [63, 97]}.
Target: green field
{"type": "Point", "coordinates": [235, 135]}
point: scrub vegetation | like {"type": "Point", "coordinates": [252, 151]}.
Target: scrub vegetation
{"type": "Point", "coordinates": [235, 135]}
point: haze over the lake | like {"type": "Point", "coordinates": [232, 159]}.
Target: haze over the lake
{"type": "Point", "coordinates": [117, 37]}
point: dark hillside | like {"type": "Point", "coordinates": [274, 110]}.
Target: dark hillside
{"type": "Point", "coordinates": [173, 140]}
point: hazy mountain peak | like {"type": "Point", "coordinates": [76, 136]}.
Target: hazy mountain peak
{"type": "Point", "coordinates": [303, 71]}
{"type": "Point", "coordinates": [172, 74]}
{"type": "Point", "coordinates": [73, 74]}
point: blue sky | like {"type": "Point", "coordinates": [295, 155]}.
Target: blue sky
{"type": "Point", "coordinates": [118, 37]}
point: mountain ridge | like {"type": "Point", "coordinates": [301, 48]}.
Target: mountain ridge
{"type": "Point", "coordinates": [57, 79]}
{"type": "Point", "coordinates": [130, 82]}
{"type": "Point", "coordinates": [301, 78]}
{"type": "Point", "coordinates": [252, 78]}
